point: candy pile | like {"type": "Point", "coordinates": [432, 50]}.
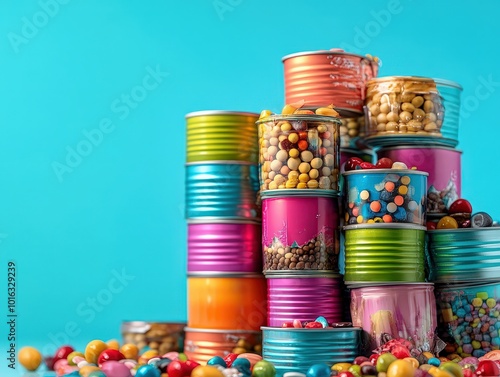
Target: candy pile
{"type": "Point", "coordinates": [460, 215]}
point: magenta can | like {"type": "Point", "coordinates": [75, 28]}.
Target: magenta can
{"type": "Point", "coordinates": [402, 311]}
{"type": "Point", "coordinates": [300, 231]}
{"type": "Point", "coordinates": [304, 297]}
{"type": "Point", "coordinates": [224, 246]}
{"type": "Point", "coordinates": [444, 183]}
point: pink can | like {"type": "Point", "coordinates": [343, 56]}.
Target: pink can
{"type": "Point", "coordinates": [224, 246]}
{"type": "Point", "coordinates": [303, 297]}
{"type": "Point", "coordinates": [402, 311]}
{"type": "Point", "coordinates": [444, 183]}
{"type": "Point", "coordinates": [300, 230]}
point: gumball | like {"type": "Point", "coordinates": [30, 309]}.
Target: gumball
{"type": "Point", "coordinates": [318, 370]}
{"type": "Point", "coordinates": [487, 368]}
{"type": "Point", "coordinates": [113, 344]}
{"type": "Point", "coordinates": [355, 370]}
{"type": "Point", "coordinates": [62, 352]}
{"type": "Point", "coordinates": [130, 351]}
{"type": "Point", "coordinates": [447, 222]}
{"type": "Point", "coordinates": [190, 365]}
{"type": "Point", "coordinates": [206, 371]}
{"type": "Point", "coordinates": [400, 368]}
{"type": "Point", "coordinates": [74, 357]}
{"type": "Point", "coordinates": [421, 373]}
{"type": "Point", "coordinates": [352, 163]}
{"type": "Point", "coordinates": [148, 371]}
{"type": "Point", "coordinates": [431, 225]}
{"type": "Point", "coordinates": [460, 205]}
{"type": "Point", "coordinates": [176, 368]}
{"type": "Point", "coordinates": [453, 368]}
{"type": "Point", "coordinates": [360, 360]}
{"type": "Point", "coordinates": [30, 358]}
{"type": "Point", "coordinates": [252, 357]}
{"type": "Point", "coordinates": [182, 356]}
{"type": "Point", "coordinates": [109, 354]}
{"type": "Point", "coordinates": [263, 368]}
{"type": "Point", "coordinates": [217, 360]}
{"type": "Point", "coordinates": [384, 163]}
{"type": "Point", "coordinates": [373, 358]}
{"type": "Point", "coordinates": [366, 165]}
{"type": "Point", "coordinates": [93, 350]}
{"type": "Point", "coordinates": [384, 360]}
{"type": "Point", "coordinates": [113, 368]}
{"type": "Point", "coordinates": [436, 372]}
{"type": "Point", "coordinates": [368, 370]}
{"type": "Point", "coordinates": [61, 363]}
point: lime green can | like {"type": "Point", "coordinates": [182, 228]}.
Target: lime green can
{"type": "Point", "coordinates": [221, 135]}
{"type": "Point", "coordinates": [382, 253]}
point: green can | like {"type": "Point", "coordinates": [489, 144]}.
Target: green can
{"type": "Point", "coordinates": [221, 135]}
{"type": "Point", "coordinates": [380, 253]}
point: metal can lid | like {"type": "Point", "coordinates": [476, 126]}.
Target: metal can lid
{"type": "Point", "coordinates": [222, 220]}
{"type": "Point", "coordinates": [243, 275]}
{"type": "Point", "coordinates": [301, 274]}
{"type": "Point", "coordinates": [219, 331]}
{"type": "Point", "coordinates": [382, 226]}
{"type": "Point", "coordinates": [418, 147]}
{"type": "Point", "coordinates": [221, 162]}
{"type": "Point", "coordinates": [443, 82]}
{"type": "Point", "coordinates": [220, 112]}
{"type": "Point", "coordinates": [300, 117]}
{"type": "Point", "coordinates": [333, 51]}
{"type": "Point", "coordinates": [306, 193]}
{"type": "Point", "coordinates": [386, 171]}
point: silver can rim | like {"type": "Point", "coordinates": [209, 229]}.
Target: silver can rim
{"type": "Point", "coordinates": [329, 52]}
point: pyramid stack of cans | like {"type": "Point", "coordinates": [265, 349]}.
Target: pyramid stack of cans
{"type": "Point", "coordinates": [226, 290]}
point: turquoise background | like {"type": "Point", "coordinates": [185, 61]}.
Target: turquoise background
{"type": "Point", "coordinates": [119, 209]}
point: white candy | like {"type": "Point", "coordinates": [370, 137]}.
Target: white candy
{"type": "Point", "coordinates": [399, 165]}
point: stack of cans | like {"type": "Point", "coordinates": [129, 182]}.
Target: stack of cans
{"type": "Point", "coordinates": [226, 290]}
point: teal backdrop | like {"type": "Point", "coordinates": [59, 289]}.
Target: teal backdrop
{"type": "Point", "coordinates": [92, 133]}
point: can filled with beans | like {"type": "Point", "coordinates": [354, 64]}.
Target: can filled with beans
{"type": "Point", "coordinates": [405, 311]}
{"type": "Point", "coordinates": [161, 336]}
{"type": "Point", "coordinates": [385, 196]}
{"type": "Point", "coordinates": [471, 254]}
{"type": "Point", "coordinates": [327, 77]}
{"type": "Point", "coordinates": [296, 349]}
{"type": "Point", "coordinates": [299, 152]}
{"type": "Point", "coordinates": [303, 296]}
{"type": "Point", "coordinates": [222, 190]}
{"type": "Point", "coordinates": [224, 246]}
{"type": "Point", "coordinates": [351, 130]}
{"type": "Point", "coordinates": [444, 183]}
{"type": "Point", "coordinates": [468, 317]}
{"type": "Point", "coordinates": [227, 301]}
{"type": "Point", "coordinates": [300, 231]}
{"type": "Point", "coordinates": [451, 93]}
{"type": "Point", "coordinates": [203, 344]}
{"type": "Point", "coordinates": [381, 253]}
{"type": "Point", "coordinates": [221, 135]}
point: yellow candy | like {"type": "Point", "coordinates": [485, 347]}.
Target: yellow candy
{"type": "Point", "coordinates": [491, 302]}
{"type": "Point", "coordinates": [447, 222]}
{"type": "Point", "coordinates": [206, 371]}
{"type": "Point", "coordinates": [72, 355]}
{"type": "Point", "coordinates": [30, 358]}
{"type": "Point", "coordinates": [400, 368]}
{"type": "Point", "coordinates": [130, 351]}
{"type": "Point", "coordinates": [265, 114]}
{"type": "Point", "coordinates": [87, 369]}
{"type": "Point", "coordinates": [93, 350]}
{"type": "Point", "coordinates": [341, 367]}
{"type": "Point", "coordinates": [412, 361]}
{"type": "Point", "coordinates": [476, 344]}
{"type": "Point", "coordinates": [113, 344]}
{"type": "Point", "coordinates": [436, 372]}
{"type": "Point", "coordinates": [482, 295]}
{"type": "Point", "coordinates": [477, 302]}
{"type": "Point", "coordinates": [149, 354]}
{"type": "Point", "coordinates": [290, 108]}
{"type": "Point", "coordinates": [326, 111]}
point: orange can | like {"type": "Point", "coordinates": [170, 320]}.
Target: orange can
{"type": "Point", "coordinates": [227, 302]}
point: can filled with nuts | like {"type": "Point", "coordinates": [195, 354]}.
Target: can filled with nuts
{"type": "Point", "coordinates": [405, 311]}
{"type": "Point", "coordinates": [444, 183]}
{"type": "Point", "coordinates": [329, 77]}
{"type": "Point", "coordinates": [303, 296]}
{"type": "Point", "coordinates": [451, 93]}
{"type": "Point", "coordinates": [203, 344]}
{"type": "Point", "coordinates": [351, 130]}
{"type": "Point", "coordinates": [300, 231]}
{"type": "Point", "coordinates": [222, 190]}
{"type": "Point", "coordinates": [224, 246]}
{"type": "Point", "coordinates": [221, 135]}
{"type": "Point", "coordinates": [161, 336]}
{"type": "Point", "coordinates": [299, 151]}
{"type": "Point", "coordinates": [227, 301]}
{"type": "Point", "coordinates": [404, 109]}
{"type": "Point", "coordinates": [380, 253]}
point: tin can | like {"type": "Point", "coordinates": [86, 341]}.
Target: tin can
{"type": "Point", "coordinates": [300, 231]}
{"type": "Point", "coordinates": [296, 349]}
{"type": "Point", "coordinates": [351, 130]}
{"type": "Point", "coordinates": [465, 254]}
{"type": "Point", "coordinates": [221, 135]}
{"type": "Point", "coordinates": [404, 109]}
{"type": "Point", "coordinates": [378, 253]}
{"type": "Point", "coordinates": [405, 311]}
{"type": "Point", "coordinates": [203, 344]}
{"type": "Point", "coordinates": [299, 152]}
{"type": "Point", "coordinates": [227, 302]}
{"type": "Point", "coordinates": [451, 93]}
{"type": "Point", "coordinates": [385, 196]}
{"type": "Point", "coordinates": [304, 297]}
{"type": "Point", "coordinates": [220, 190]}
{"type": "Point", "coordinates": [322, 78]}
{"type": "Point", "coordinates": [444, 184]}
{"type": "Point", "coordinates": [224, 246]}
{"type": "Point", "coordinates": [160, 336]}
{"type": "Point", "coordinates": [468, 317]}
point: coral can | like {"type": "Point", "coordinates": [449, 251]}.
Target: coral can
{"type": "Point", "coordinates": [385, 196]}
{"type": "Point", "coordinates": [221, 190]}
{"type": "Point", "coordinates": [322, 78]}
{"type": "Point", "coordinates": [300, 231]}
{"type": "Point", "coordinates": [451, 93]}
{"type": "Point", "coordinates": [201, 345]}
{"type": "Point", "coordinates": [403, 311]}
{"type": "Point", "coordinates": [299, 152]}
{"type": "Point", "coordinates": [221, 135]}
{"type": "Point", "coordinates": [444, 183]}
{"type": "Point", "coordinates": [224, 246]}
{"type": "Point", "coordinates": [295, 350]}
{"type": "Point", "coordinates": [227, 302]}
{"type": "Point", "coordinates": [381, 253]}
{"type": "Point", "coordinates": [303, 297]}
{"type": "Point", "coordinates": [471, 254]}
{"type": "Point", "coordinates": [468, 317]}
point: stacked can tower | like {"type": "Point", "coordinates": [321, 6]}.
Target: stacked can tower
{"type": "Point", "coordinates": [226, 291]}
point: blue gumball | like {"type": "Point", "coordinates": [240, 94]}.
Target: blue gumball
{"type": "Point", "coordinates": [217, 360]}
{"type": "Point", "coordinates": [318, 370]}
{"type": "Point", "coordinates": [148, 370]}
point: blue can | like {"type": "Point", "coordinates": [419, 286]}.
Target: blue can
{"type": "Point", "coordinates": [222, 190]}
{"type": "Point", "coordinates": [450, 93]}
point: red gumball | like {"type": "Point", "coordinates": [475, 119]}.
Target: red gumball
{"type": "Point", "coordinates": [177, 368]}
{"type": "Point", "coordinates": [431, 225]}
{"type": "Point", "coordinates": [468, 373]}
{"type": "Point", "coordinates": [230, 358]}
{"type": "Point", "coordinates": [367, 165]}
{"type": "Point", "coordinates": [384, 163]}
{"type": "Point", "coordinates": [352, 163]}
{"type": "Point", "coordinates": [460, 206]}
{"type": "Point", "coordinates": [360, 360]}
{"type": "Point", "coordinates": [191, 364]}
{"type": "Point", "coordinates": [487, 368]}
{"type": "Point", "coordinates": [109, 354]}
{"type": "Point", "coordinates": [62, 353]}
{"type": "Point", "coordinates": [373, 358]}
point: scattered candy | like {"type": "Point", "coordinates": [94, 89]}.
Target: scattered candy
{"type": "Point", "coordinates": [30, 358]}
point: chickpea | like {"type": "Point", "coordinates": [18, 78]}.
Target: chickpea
{"type": "Point", "coordinates": [293, 175]}
{"type": "Point", "coordinates": [417, 101]}
{"type": "Point", "coordinates": [276, 165]}
{"type": "Point", "coordinates": [392, 117]}
{"type": "Point", "coordinates": [293, 163]}
{"type": "Point", "coordinates": [272, 185]}
{"type": "Point", "coordinates": [313, 174]}
{"type": "Point", "coordinates": [302, 185]}
{"type": "Point", "coordinates": [294, 153]}
{"type": "Point", "coordinates": [431, 127]}
{"type": "Point", "coordinates": [306, 156]}
{"type": "Point", "coordinates": [271, 175]}
{"type": "Point", "coordinates": [272, 150]}
{"type": "Point", "coordinates": [286, 127]}
{"type": "Point", "coordinates": [313, 184]}
{"type": "Point", "coordinates": [428, 106]}
{"type": "Point", "coordinates": [285, 170]}
{"type": "Point", "coordinates": [343, 130]}
{"type": "Point", "coordinates": [304, 167]}
{"type": "Point", "coordinates": [375, 109]}
{"type": "Point", "coordinates": [282, 155]}
{"type": "Point", "coordinates": [316, 163]}
{"type": "Point", "coordinates": [279, 179]}
{"type": "Point", "coordinates": [419, 114]}
{"type": "Point", "coordinates": [326, 171]}
{"type": "Point", "coordinates": [391, 127]}
{"type": "Point", "coordinates": [381, 118]}
{"type": "Point", "coordinates": [385, 108]}
{"type": "Point", "coordinates": [273, 141]}
{"type": "Point", "coordinates": [407, 107]}
{"type": "Point", "coordinates": [303, 177]}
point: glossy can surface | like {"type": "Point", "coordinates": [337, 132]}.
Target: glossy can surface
{"type": "Point", "coordinates": [216, 190]}
{"type": "Point", "coordinates": [444, 183]}
{"type": "Point", "coordinates": [468, 254]}
{"type": "Point", "coordinates": [451, 93]}
{"type": "Point", "coordinates": [322, 78]}
{"type": "Point", "coordinates": [300, 233]}
{"type": "Point", "coordinates": [201, 345]}
{"type": "Point", "coordinates": [384, 253]}
{"type": "Point", "coordinates": [303, 297]}
{"type": "Point", "coordinates": [225, 246]}
{"type": "Point", "coordinates": [227, 302]}
{"type": "Point", "coordinates": [221, 135]}
{"type": "Point", "coordinates": [295, 350]}
{"type": "Point", "coordinates": [407, 311]}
